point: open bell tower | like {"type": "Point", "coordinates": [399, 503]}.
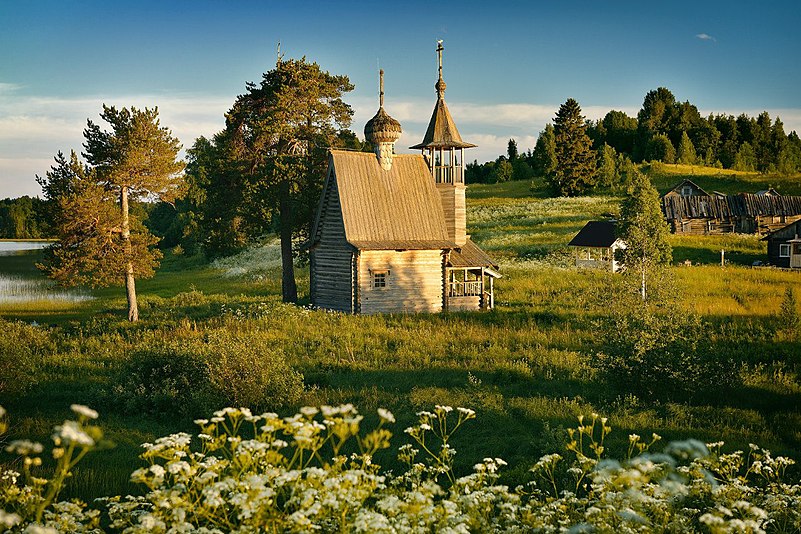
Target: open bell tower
{"type": "Point", "coordinates": [443, 149]}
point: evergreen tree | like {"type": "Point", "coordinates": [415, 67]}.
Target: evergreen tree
{"type": "Point", "coordinates": [511, 150]}
{"type": "Point", "coordinates": [100, 240]}
{"type": "Point", "coordinates": [544, 155]}
{"type": "Point", "coordinates": [765, 158]}
{"type": "Point", "coordinates": [686, 154]}
{"type": "Point", "coordinates": [575, 171]}
{"type": "Point", "coordinates": [280, 131]}
{"type": "Point", "coordinates": [642, 226]}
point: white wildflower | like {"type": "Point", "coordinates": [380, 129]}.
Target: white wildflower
{"type": "Point", "coordinates": [386, 415]}
{"type": "Point", "coordinates": [72, 433]}
{"type": "Point", "coordinates": [24, 447]}
{"type": "Point", "coordinates": [85, 411]}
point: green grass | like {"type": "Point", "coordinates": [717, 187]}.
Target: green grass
{"type": "Point", "coordinates": [527, 367]}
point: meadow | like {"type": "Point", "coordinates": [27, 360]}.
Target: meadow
{"type": "Point", "coordinates": [528, 368]}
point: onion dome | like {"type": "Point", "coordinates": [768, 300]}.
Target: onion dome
{"type": "Point", "coordinates": [382, 128]}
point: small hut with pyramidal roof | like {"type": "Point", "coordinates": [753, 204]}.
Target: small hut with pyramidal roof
{"type": "Point", "coordinates": [390, 231]}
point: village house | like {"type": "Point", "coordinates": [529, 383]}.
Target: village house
{"type": "Point", "coordinates": [784, 246]}
{"type": "Point", "coordinates": [701, 214]}
{"type": "Point", "coordinates": [687, 188]}
{"type": "Point", "coordinates": [390, 231]}
{"type": "Point", "coordinates": [596, 245]}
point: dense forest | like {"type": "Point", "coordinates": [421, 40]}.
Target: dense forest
{"type": "Point", "coordinates": [664, 130]}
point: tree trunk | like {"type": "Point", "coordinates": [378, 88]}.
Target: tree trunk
{"type": "Point", "coordinates": [289, 289]}
{"type": "Point", "coordinates": [130, 282]}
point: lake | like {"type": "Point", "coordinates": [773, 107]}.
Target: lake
{"type": "Point", "coordinates": [21, 282]}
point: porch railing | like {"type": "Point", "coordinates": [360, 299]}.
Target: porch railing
{"type": "Point", "coordinates": [465, 289]}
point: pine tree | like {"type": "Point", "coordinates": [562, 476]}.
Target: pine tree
{"type": "Point", "coordinates": [642, 226]}
{"type": "Point", "coordinates": [280, 131]}
{"type": "Point", "coordinates": [100, 242]}
{"type": "Point", "coordinates": [575, 171]}
{"type": "Point", "coordinates": [511, 150]}
{"type": "Point", "coordinates": [686, 153]}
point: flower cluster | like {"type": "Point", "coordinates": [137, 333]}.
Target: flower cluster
{"type": "Point", "coordinates": [314, 471]}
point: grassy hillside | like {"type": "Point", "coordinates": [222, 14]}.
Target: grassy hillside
{"type": "Point", "coordinates": [528, 367]}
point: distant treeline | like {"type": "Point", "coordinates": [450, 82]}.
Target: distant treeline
{"type": "Point", "coordinates": [23, 218]}
{"type": "Point", "coordinates": [664, 130]}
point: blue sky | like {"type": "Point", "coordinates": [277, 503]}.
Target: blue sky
{"type": "Point", "coordinates": [508, 65]}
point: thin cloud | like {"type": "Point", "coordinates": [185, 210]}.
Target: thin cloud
{"type": "Point", "coordinates": [706, 37]}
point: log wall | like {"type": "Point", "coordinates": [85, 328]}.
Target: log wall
{"type": "Point", "coordinates": [331, 270]}
{"type": "Point", "coordinates": [414, 281]}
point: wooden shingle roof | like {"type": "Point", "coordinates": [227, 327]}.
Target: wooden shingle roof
{"type": "Point", "coordinates": [399, 208]}
{"type": "Point", "coordinates": [744, 204]}
{"type": "Point", "coordinates": [469, 255]}
{"type": "Point", "coordinates": [442, 132]}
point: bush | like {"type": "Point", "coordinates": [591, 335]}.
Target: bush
{"type": "Point", "coordinates": [191, 376]}
{"type": "Point", "coordinates": [22, 348]}
{"type": "Point", "coordinates": [663, 353]}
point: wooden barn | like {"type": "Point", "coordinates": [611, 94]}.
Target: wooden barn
{"type": "Point", "coordinates": [744, 213]}
{"type": "Point", "coordinates": [687, 188]}
{"type": "Point", "coordinates": [596, 245]}
{"type": "Point", "coordinates": [390, 232]}
{"type": "Point", "coordinates": [784, 246]}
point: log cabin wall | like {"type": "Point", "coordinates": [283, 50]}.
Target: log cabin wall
{"type": "Point", "coordinates": [331, 274]}
{"type": "Point", "coordinates": [413, 281]}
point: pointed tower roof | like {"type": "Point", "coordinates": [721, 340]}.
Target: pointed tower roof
{"type": "Point", "coordinates": [442, 132]}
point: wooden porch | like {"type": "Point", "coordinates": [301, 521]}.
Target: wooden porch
{"type": "Point", "coordinates": [469, 289]}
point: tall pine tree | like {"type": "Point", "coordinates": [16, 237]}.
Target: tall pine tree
{"type": "Point", "coordinates": [100, 242]}
{"type": "Point", "coordinates": [575, 171]}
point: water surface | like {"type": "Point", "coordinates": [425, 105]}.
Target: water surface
{"type": "Point", "coordinates": [21, 282]}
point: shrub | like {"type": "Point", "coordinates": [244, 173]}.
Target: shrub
{"type": "Point", "coordinates": [663, 353]}
{"type": "Point", "coordinates": [22, 348]}
{"type": "Point", "coordinates": [192, 375]}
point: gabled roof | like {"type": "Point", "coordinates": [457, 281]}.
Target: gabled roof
{"type": "Point", "coordinates": [399, 208]}
{"type": "Point", "coordinates": [785, 232]}
{"type": "Point", "coordinates": [745, 204]}
{"type": "Point", "coordinates": [442, 132]}
{"type": "Point", "coordinates": [677, 188]}
{"type": "Point", "coordinates": [469, 255]}
{"type": "Point", "coordinates": [596, 234]}
{"type": "Point", "coordinates": [770, 192]}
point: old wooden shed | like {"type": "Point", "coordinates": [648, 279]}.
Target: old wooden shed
{"type": "Point", "coordinates": [784, 246]}
{"type": "Point", "coordinates": [390, 232]}
{"type": "Point", "coordinates": [744, 213]}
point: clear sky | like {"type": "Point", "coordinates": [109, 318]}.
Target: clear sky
{"type": "Point", "coordinates": [508, 65]}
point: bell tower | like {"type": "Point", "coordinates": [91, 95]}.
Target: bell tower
{"type": "Point", "coordinates": [443, 149]}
